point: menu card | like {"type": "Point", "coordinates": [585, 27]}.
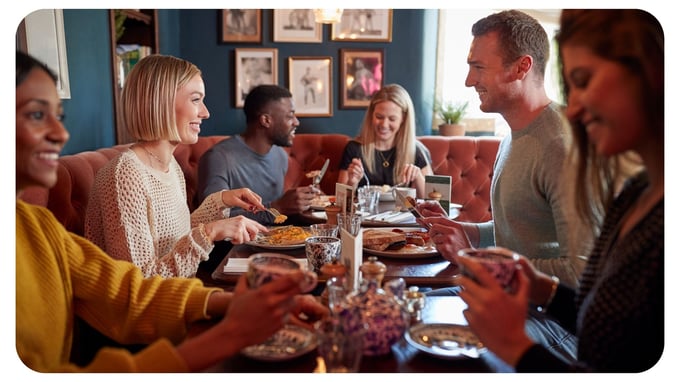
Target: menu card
{"type": "Point", "coordinates": [441, 184]}
{"type": "Point", "coordinates": [351, 256]}
{"type": "Point", "coordinates": [344, 198]}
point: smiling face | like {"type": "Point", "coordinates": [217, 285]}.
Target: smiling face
{"type": "Point", "coordinates": [40, 135]}
{"type": "Point", "coordinates": [387, 119]}
{"type": "Point", "coordinates": [603, 99]}
{"type": "Point", "coordinates": [283, 122]}
{"type": "Point", "coordinates": [495, 84]}
{"type": "Point", "coordinates": [190, 110]}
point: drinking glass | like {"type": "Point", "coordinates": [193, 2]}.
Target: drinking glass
{"type": "Point", "coordinates": [350, 222]}
{"type": "Point", "coordinates": [340, 349]}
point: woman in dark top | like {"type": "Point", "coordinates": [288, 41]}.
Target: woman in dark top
{"type": "Point", "coordinates": [386, 149]}
{"type": "Point", "coordinates": [612, 64]}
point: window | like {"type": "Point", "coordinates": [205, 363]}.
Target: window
{"type": "Point", "coordinates": [454, 43]}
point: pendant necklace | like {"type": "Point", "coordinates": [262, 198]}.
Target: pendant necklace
{"type": "Point", "coordinates": [386, 161]}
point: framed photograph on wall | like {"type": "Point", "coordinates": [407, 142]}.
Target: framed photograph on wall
{"type": "Point", "coordinates": [363, 25]}
{"type": "Point", "coordinates": [309, 79]}
{"type": "Point", "coordinates": [254, 66]}
{"type": "Point", "coordinates": [361, 76]}
{"type": "Point", "coordinates": [296, 25]}
{"type": "Point", "coordinates": [242, 25]}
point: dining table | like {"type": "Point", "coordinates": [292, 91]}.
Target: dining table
{"type": "Point", "coordinates": [423, 270]}
{"type": "Point", "coordinates": [403, 357]}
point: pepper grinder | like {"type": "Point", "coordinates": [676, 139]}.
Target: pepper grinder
{"type": "Point", "coordinates": [373, 269]}
{"type": "Point", "coordinates": [332, 211]}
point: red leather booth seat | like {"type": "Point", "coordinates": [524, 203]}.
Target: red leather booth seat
{"type": "Point", "coordinates": [468, 160]}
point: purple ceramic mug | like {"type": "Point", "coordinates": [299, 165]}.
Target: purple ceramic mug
{"type": "Point", "coordinates": [500, 262]}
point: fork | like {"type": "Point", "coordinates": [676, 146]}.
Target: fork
{"type": "Point", "coordinates": [278, 217]}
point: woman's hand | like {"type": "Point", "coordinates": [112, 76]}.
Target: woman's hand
{"type": "Point", "coordinates": [238, 229]}
{"type": "Point", "coordinates": [486, 300]}
{"type": "Point", "coordinates": [244, 198]}
{"type": "Point", "coordinates": [411, 173]}
{"type": "Point", "coordinates": [355, 172]}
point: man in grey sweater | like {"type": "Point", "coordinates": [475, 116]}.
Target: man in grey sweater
{"type": "Point", "coordinates": [529, 195]}
{"type": "Point", "coordinates": [256, 159]}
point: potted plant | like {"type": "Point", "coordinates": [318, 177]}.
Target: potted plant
{"type": "Point", "coordinates": [450, 114]}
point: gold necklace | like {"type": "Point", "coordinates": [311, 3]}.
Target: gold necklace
{"type": "Point", "coordinates": [152, 155]}
{"type": "Point", "coordinates": [386, 161]}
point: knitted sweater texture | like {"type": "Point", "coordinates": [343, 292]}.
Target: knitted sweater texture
{"type": "Point", "coordinates": [139, 214]}
{"type": "Point", "coordinates": [60, 275]}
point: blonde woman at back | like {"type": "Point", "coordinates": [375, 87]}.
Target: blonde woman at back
{"type": "Point", "coordinates": [386, 150]}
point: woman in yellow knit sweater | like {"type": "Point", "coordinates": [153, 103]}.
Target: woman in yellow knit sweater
{"type": "Point", "coordinates": [61, 276]}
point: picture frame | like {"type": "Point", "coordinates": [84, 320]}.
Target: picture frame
{"type": "Point", "coordinates": [363, 25]}
{"type": "Point", "coordinates": [41, 34]}
{"type": "Point", "coordinates": [242, 25]}
{"type": "Point", "coordinates": [310, 82]}
{"type": "Point", "coordinates": [296, 25]}
{"type": "Point", "coordinates": [252, 67]}
{"type": "Point", "coordinates": [361, 76]}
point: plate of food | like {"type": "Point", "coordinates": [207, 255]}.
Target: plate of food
{"type": "Point", "coordinates": [447, 341]}
{"type": "Point", "coordinates": [400, 243]}
{"type": "Point", "coordinates": [386, 194]}
{"type": "Point", "coordinates": [320, 202]}
{"type": "Point", "coordinates": [282, 238]}
{"type": "Point", "coordinates": [288, 343]}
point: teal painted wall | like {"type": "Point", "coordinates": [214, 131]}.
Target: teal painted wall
{"type": "Point", "coordinates": [193, 34]}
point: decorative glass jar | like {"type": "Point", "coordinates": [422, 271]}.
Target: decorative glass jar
{"type": "Point", "coordinates": [379, 310]}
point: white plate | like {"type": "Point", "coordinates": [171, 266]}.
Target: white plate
{"type": "Point", "coordinates": [288, 343]}
{"type": "Point", "coordinates": [448, 341]}
{"type": "Point", "coordinates": [321, 202]}
{"type": "Point", "coordinates": [261, 242]}
{"type": "Point", "coordinates": [408, 251]}
{"type": "Point", "coordinates": [386, 197]}
{"type": "Point", "coordinates": [273, 246]}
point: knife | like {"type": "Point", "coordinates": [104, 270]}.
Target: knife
{"type": "Point", "coordinates": [317, 179]}
{"type": "Point", "coordinates": [410, 204]}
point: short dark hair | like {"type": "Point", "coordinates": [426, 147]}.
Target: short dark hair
{"type": "Point", "coordinates": [26, 63]}
{"type": "Point", "coordinates": [260, 96]}
{"type": "Point", "coordinates": [519, 34]}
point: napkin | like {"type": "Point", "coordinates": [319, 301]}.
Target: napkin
{"type": "Point", "coordinates": [241, 265]}
{"type": "Point", "coordinates": [400, 217]}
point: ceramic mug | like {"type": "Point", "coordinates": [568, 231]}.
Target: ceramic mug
{"type": "Point", "coordinates": [265, 267]}
{"type": "Point", "coordinates": [321, 250]}
{"type": "Point", "coordinates": [406, 191]}
{"type": "Point", "coordinates": [500, 262]}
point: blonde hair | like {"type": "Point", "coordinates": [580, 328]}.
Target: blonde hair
{"type": "Point", "coordinates": [405, 140]}
{"type": "Point", "coordinates": [148, 97]}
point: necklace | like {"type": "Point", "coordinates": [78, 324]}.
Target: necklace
{"type": "Point", "coordinates": [152, 155]}
{"type": "Point", "coordinates": [386, 161]}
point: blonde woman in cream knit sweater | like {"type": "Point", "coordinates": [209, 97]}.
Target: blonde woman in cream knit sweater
{"type": "Point", "coordinates": [61, 276]}
{"type": "Point", "coordinates": [137, 209]}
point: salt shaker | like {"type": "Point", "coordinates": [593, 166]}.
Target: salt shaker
{"type": "Point", "coordinates": [415, 303]}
